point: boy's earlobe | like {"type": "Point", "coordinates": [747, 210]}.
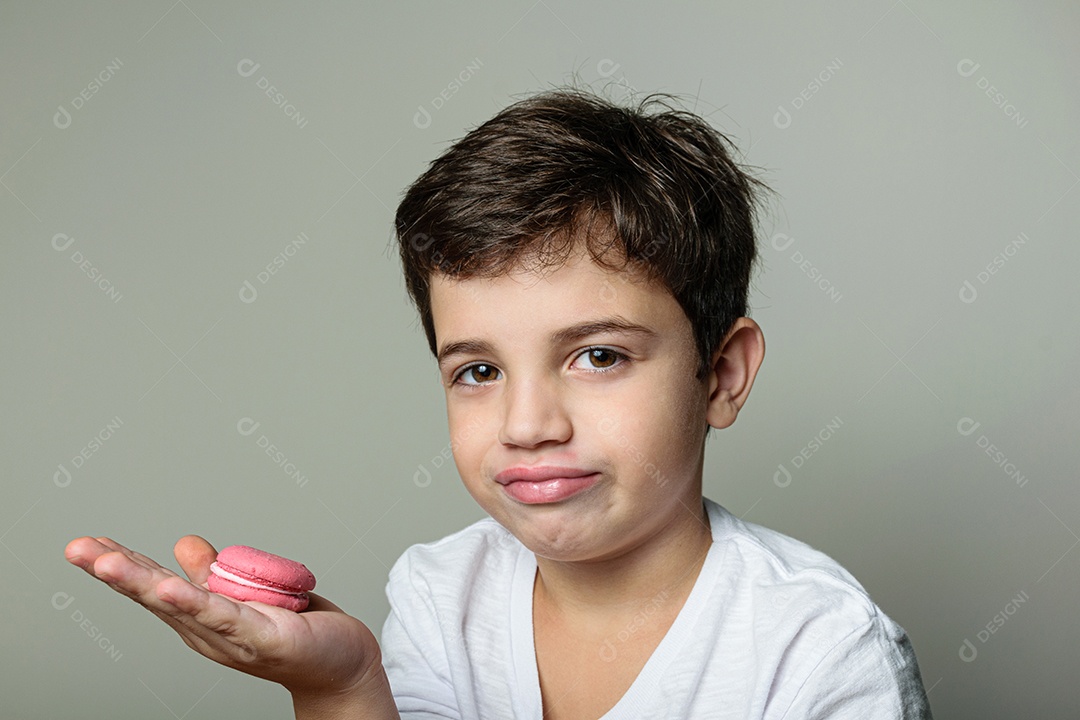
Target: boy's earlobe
{"type": "Point", "coordinates": [732, 371]}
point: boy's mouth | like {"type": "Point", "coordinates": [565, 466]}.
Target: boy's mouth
{"type": "Point", "coordinates": [539, 473]}
{"type": "Point", "coordinates": [546, 484]}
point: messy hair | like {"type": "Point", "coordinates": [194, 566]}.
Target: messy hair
{"type": "Point", "coordinates": [552, 169]}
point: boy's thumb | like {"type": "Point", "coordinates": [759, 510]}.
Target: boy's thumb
{"type": "Point", "coordinates": [195, 555]}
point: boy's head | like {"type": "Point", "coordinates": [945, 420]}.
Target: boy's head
{"type": "Point", "coordinates": [567, 164]}
{"type": "Point", "coordinates": [564, 210]}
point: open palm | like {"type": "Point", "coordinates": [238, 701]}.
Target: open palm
{"type": "Point", "coordinates": [319, 650]}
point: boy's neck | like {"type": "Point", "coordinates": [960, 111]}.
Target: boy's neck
{"type": "Point", "coordinates": [659, 573]}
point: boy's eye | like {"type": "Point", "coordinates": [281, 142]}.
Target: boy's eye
{"type": "Point", "coordinates": [599, 360]}
{"type": "Point", "coordinates": [479, 373]}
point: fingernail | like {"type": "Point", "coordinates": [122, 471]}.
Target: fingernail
{"type": "Point", "coordinates": [78, 560]}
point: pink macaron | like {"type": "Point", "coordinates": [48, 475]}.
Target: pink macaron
{"type": "Point", "coordinates": [244, 573]}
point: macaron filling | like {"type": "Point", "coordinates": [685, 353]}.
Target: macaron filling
{"type": "Point", "coordinates": [239, 580]}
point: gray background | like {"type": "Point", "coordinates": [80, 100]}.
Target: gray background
{"type": "Point", "coordinates": [179, 179]}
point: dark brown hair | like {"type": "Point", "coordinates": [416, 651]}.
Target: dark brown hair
{"type": "Point", "coordinates": [523, 186]}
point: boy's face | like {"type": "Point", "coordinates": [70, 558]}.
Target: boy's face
{"type": "Point", "coordinates": [531, 399]}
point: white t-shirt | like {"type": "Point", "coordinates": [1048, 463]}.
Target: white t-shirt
{"type": "Point", "coordinates": [772, 629]}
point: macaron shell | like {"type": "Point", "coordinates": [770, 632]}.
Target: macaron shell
{"type": "Point", "coordinates": [263, 566]}
{"type": "Point", "coordinates": [237, 591]}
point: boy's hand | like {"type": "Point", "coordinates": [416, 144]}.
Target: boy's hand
{"type": "Point", "coordinates": [321, 651]}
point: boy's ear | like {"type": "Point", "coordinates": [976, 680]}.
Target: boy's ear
{"type": "Point", "coordinates": [732, 370]}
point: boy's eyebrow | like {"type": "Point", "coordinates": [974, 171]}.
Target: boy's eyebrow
{"type": "Point", "coordinates": [613, 323]}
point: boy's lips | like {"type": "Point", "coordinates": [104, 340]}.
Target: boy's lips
{"type": "Point", "coordinates": [545, 484]}
{"type": "Point", "coordinates": [539, 473]}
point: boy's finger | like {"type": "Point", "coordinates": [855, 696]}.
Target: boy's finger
{"type": "Point", "coordinates": [112, 544]}
{"type": "Point", "coordinates": [210, 623]}
{"type": "Point", "coordinates": [214, 619]}
{"type": "Point", "coordinates": [77, 552]}
{"type": "Point", "coordinates": [318, 602]}
{"type": "Point", "coordinates": [127, 576]}
{"type": "Point", "coordinates": [148, 563]}
{"type": "Point", "coordinates": [195, 555]}
{"type": "Point", "coordinates": [84, 551]}
{"type": "Point", "coordinates": [234, 629]}
{"type": "Point", "coordinates": [210, 610]}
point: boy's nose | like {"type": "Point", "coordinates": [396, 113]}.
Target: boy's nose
{"type": "Point", "coordinates": [533, 413]}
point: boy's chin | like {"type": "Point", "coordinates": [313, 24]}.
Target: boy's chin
{"type": "Point", "coordinates": [562, 543]}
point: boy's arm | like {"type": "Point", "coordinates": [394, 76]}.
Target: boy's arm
{"type": "Point", "coordinates": [328, 660]}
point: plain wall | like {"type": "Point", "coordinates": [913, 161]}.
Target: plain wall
{"type": "Point", "coordinates": [917, 293]}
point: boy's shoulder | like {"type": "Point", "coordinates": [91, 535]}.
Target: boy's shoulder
{"type": "Point", "coordinates": [774, 552]}
{"type": "Point", "coordinates": [781, 573]}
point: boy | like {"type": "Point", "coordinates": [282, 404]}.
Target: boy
{"type": "Point", "coordinates": [581, 272]}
